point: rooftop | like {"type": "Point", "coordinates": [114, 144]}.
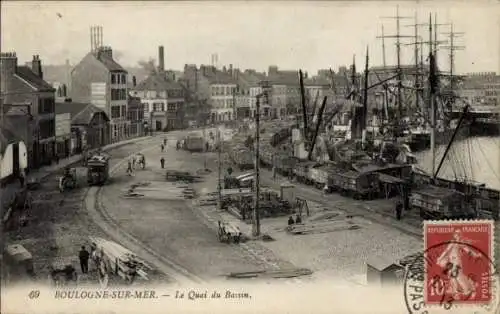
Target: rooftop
{"type": "Point", "coordinates": [81, 113]}
{"type": "Point", "coordinates": [28, 75]}
{"type": "Point", "coordinates": [157, 81]}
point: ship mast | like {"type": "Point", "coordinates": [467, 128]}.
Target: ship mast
{"type": "Point", "coordinates": [432, 78]}
{"type": "Point", "coordinates": [398, 38]}
{"type": "Point", "coordinates": [452, 48]}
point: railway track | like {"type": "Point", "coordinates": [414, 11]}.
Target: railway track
{"type": "Point", "coordinates": [114, 230]}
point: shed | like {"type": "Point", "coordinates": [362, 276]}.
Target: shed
{"type": "Point", "coordinates": [287, 192]}
{"type": "Point", "coordinates": [383, 272]}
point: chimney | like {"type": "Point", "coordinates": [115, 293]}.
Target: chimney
{"type": "Point", "coordinates": [272, 70]}
{"type": "Point", "coordinates": [36, 66]}
{"type": "Point", "coordinates": [134, 81]}
{"type": "Point", "coordinates": [161, 59]}
{"type": "Point", "coordinates": [231, 69]}
{"type": "Point", "coordinates": [224, 69]}
{"type": "Point", "coordinates": [8, 63]}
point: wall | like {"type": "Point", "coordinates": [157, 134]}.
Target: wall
{"type": "Point", "coordinates": [88, 70]}
{"type": "Point", "coordinates": [7, 164]}
{"type": "Point", "coordinates": [63, 124]}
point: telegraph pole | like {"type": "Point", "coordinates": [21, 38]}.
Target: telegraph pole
{"type": "Point", "coordinates": [398, 38]}
{"type": "Point", "coordinates": [219, 148]}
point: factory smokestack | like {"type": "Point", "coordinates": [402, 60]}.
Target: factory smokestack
{"type": "Point", "coordinates": [161, 59]}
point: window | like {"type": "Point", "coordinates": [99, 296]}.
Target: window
{"type": "Point", "coordinates": [47, 129]}
{"type": "Point", "coordinates": [46, 105]}
{"type": "Point", "coordinates": [115, 131]}
{"type": "Point", "coordinates": [124, 110]}
{"type": "Point", "coordinates": [172, 107]}
{"type": "Point", "coordinates": [158, 106]}
{"type": "Point", "coordinates": [118, 94]}
{"type": "Point", "coordinates": [115, 112]}
{"type": "Point", "coordinates": [113, 78]}
{"type": "Point", "coordinates": [124, 79]}
{"type": "Point", "coordinates": [145, 107]}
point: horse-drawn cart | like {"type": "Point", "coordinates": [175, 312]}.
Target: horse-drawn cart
{"type": "Point", "coordinates": [68, 180]}
{"type": "Point", "coordinates": [228, 232]}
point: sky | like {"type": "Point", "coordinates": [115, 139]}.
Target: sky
{"type": "Point", "coordinates": [295, 34]}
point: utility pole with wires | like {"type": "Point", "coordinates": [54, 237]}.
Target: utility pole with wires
{"type": "Point", "coordinates": [452, 48]}
{"type": "Point", "coordinates": [219, 170]}
{"type": "Point", "coordinates": [398, 38]}
{"type": "Point", "coordinates": [256, 214]}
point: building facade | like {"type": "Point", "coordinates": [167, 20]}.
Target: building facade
{"type": "Point", "coordinates": [481, 88]}
{"type": "Point", "coordinates": [162, 97]}
{"type": "Point", "coordinates": [63, 134]}
{"type": "Point", "coordinates": [98, 79]}
{"type": "Point", "coordinates": [135, 116]}
{"type": "Point", "coordinates": [217, 88]}
{"type": "Point", "coordinates": [90, 125]}
{"type": "Point", "coordinates": [25, 86]}
{"type": "Point", "coordinates": [249, 86]}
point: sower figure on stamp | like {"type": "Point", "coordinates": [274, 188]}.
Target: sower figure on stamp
{"type": "Point", "coordinates": [84, 256]}
{"type": "Point", "coordinates": [451, 261]}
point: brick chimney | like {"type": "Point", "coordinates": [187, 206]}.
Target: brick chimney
{"type": "Point", "coordinates": [272, 70]}
{"type": "Point", "coordinates": [8, 62]}
{"type": "Point", "coordinates": [161, 59]}
{"type": "Point", "coordinates": [36, 66]}
{"type": "Point", "coordinates": [8, 66]}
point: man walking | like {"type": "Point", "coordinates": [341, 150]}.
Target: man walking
{"type": "Point", "coordinates": [162, 162]}
{"type": "Point", "coordinates": [399, 209]}
{"type": "Point", "coordinates": [162, 147]}
{"type": "Point", "coordinates": [84, 260]}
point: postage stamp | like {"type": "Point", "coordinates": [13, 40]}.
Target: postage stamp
{"type": "Point", "coordinates": [456, 268]}
{"type": "Point", "coordinates": [457, 264]}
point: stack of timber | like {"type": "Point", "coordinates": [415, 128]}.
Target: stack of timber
{"type": "Point", "coordinates": [285, 273]}
{"type": "Point", "coordinates": [322, 227]}
{"type": "Point", "coordinates": [117, 260]}
{"type": "Point", "coordinates": [160, 191]}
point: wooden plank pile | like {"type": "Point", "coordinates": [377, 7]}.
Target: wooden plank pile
{"type": "Point", "coordinates": [322, 227]}
{"type": "Point", "coordinates": [282, 273]}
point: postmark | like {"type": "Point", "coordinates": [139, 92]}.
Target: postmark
{"type": "Point", "coordinates": [456, 269]}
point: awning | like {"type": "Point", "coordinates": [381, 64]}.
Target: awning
{"type": "Point", "coordinates": [390, 179]}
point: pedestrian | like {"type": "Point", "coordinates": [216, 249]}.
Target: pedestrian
{"type": "Point", "coordinates": [162, 147]}
{"type": "Point", "coordinates": [290, 221]}
{"type": "Point", "coordinates": [165, 141]}
{"type": "Point", "coordinates": [206, 146]}
{"type": "Point", "coordinates": [298, 220]}
{"type": "Point", "coordinates": [84, 260]}
{"type": "Point", "coordinates": [134, 160]}
{"type": "Point", "coordinates": [129, 168]}
{"type": "Point", "coordinates": [162, 162]}
{"type": "Point", "coordinates": [399, 209]}
{"type": "Point", "coordinates": [21, 178]}
{"type": "Point", "coordinates": [57, 159]}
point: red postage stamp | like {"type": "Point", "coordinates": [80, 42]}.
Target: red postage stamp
{"type": "Point", "coordinates": [458, 259]}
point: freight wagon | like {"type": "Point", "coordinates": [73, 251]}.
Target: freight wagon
{"type": "Point", "coordinates": [318, 175]}
{"type": "Point", "coordinates": [355, 184]}
{"type": "Point", "coordinates": [301, 170]}
{"type": "Point", "coordinates": [243, 158]}
{"type": "Point", "coordinates": [194, 144]}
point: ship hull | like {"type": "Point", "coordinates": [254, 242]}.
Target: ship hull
{"type": "Point", "coordinates": [422, 141]}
